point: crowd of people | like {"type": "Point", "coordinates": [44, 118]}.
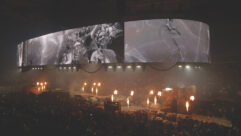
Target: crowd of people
{"type": "Point", "coordinates": [59, 113]}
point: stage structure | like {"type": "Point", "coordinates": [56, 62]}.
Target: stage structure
{"type": "Point", "coordinates": [166, 40]}
{"type": "Point", "coordinates": [126, 43]}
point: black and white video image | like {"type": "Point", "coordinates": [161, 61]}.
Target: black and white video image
{"type": "Point", "coordinates": [102, 43]}
{"type": "Point", "coordinates": [20, 54]}
{"type": "Point", "coordinates": [166, 40]}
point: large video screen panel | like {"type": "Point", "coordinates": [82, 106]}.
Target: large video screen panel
{"type": "Point", "coordinates": [102, 43]}
{"type": "Point", "coordinates": [20, 54]}
{"type": "Point", "coordinates": [166, 40]}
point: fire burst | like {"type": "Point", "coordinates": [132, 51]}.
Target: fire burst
{"type": "Point", "coordinates": [147, 101]}
{"type": "Point", "coordinates": [115, 92]}
{"type": "Point", "coordinates": [96, 91]}
{"type": "Point", "coordinates": [159, 93]}
{"type": "Point", "coordinates": [155, 100]}
{"type": "Point", "coordinates": [192, 98]}
{"type": "Point", "coordinates": [128, 102]}
{"type": "Point", "coordinates": [187, 106]}
{"type": "Point", "coordinates": [112, 98]}
{"type": "Point", "coordinates": [132, 93]}
{"type": "Point", "coordinates": [168, 89]}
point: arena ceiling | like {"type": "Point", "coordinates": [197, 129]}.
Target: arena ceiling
{"type": "Point", "coordinates": [71, 13]}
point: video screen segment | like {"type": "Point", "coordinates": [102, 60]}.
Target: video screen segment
{"type": "Point", "coordinates": [20, 54]}
{"type": "Point", "coordinates": [166, 40]}
{"type": "Point", "coordinates": [102, 43]}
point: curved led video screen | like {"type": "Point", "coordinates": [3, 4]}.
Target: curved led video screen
{"type": "Point", "coordinates": [166, 40]}
{"type": "Point", "coordinates": [143, 41]}
{"type": "Point", "coordinates": [102, 43]}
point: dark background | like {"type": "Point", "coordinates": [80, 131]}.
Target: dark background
{"type": "Point", "coordinates": [25, 19]}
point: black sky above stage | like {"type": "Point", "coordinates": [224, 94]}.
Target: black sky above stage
{"type": "Point", "coordinates": [25, 19]}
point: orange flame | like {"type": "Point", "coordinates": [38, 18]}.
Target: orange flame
{"type": "Point", "coordinates": [147, 101]}
{"type": "Point", "coordinates": [128, 102]}
{"type": "Point", "coordinates": [187, 106]}
{"type": "Point", "coordinates": [115, 92]}
{"type": "Point", "coordinates": [192, 98]}
{"type": "Point", "coordinates": [155, 100]}
{"type": "Point", "coordinates": [132, 93]}
{"type": "Point", "coordinates": [159, 93]}
{"type": "Point", "coordinates": [112, 97]}
{"type": "Point", "coordinates": [96, 91]}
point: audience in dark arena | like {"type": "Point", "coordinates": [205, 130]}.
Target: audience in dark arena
{"type": "Point", "coordinates": [58, 113]}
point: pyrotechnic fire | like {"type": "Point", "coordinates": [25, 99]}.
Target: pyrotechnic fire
{"type": "Point", "coordinates": [115, 92]}
{"type": "Point", "coordinates": [151, 92]}
{"type": "Point", "coordinates": [96, 91]}
{"type": "Point", "coordinates": [147, 101]}
{"type": "Point", "coordinates": [132, 93]}
{"type": "Point", "coordinates": [112, 97]}
{"type": "Point", "coordinates": [187, 106]}
{"type": "Point", "coordinates": [128, 102]}
{"type": "Point", "coordinates": [192, 98]}
{"type": "Point", "coordinates": [155, 100]}
{"type": "Point", "coordinates": [168, 89]}
{"type": "Point", "coordinates": [41, 86]}
{"type": "Point", "coordinates": [159, 93]}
